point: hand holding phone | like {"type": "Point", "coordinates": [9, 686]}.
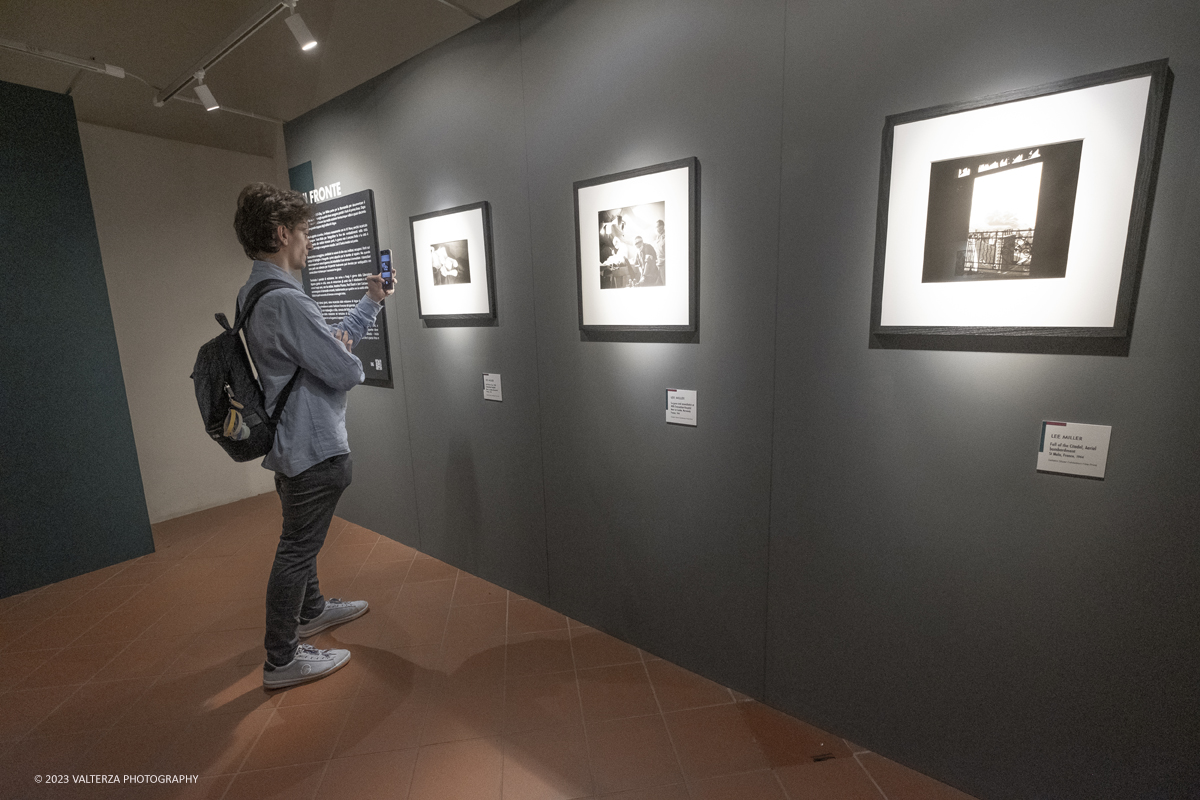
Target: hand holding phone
{"type": "Point", "coordinates": [385, 268]}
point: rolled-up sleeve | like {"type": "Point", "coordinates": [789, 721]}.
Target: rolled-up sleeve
{"type": "Point", "coordinates": [306, 340]}
{"type": "Point", "coordinates": [360, 318]}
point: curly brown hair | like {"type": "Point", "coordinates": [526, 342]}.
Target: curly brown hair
{"type": "Point", "coordinates": [261, 209]}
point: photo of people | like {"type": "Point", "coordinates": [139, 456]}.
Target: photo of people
{"type": "Point", "coordinates": [633, 246]}
{"type": "Point", "coordinates": [450, 263]}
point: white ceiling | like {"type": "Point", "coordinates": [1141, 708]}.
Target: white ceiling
{"type": "Point", "coordinates": [269, 75]}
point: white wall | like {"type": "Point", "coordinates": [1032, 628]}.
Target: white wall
{"type": "Point", "coordinates": [164, 214]}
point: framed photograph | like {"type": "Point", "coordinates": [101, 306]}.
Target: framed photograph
{"type": "Point", "coordinates": [637, 249]}
{"type": "Point", "coordinates": [452, 259]}
{"type": "Point", "coordinates": [1021, 217]}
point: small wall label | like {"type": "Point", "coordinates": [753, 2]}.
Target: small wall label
{"type": "Point", "coordinates": [681, 406]}
{"type": "Point", "coordinates": [491, 387]}
{"type": "Point", "coordinates": [1073, 448]}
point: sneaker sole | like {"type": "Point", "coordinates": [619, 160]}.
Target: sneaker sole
{"type": "Point", "coordinates": [306, 678]}
{"type": "Point", "coordinates": [303, 634]}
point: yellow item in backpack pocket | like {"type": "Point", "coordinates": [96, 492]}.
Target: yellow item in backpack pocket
{"type": "Point", "coordinates": [236, 427]}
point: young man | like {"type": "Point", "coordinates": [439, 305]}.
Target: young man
{"type": "Point", "coordinates": [311, 458]}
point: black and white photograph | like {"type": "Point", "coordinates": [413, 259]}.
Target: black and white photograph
{"type": "Point", "coordinates": [453, 264]}
{"type": "Point", "coordinates": [1018, 217]}
{"type": "Point", "coordinates": [1003, 215]}
{"type": "Point", "coordinates": [450, 262]}
{"type": "Point", "coordinates": [633, 246]}
{"type": "Point", "coordinates": [637, 237]}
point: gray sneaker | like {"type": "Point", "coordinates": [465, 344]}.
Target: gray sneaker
{"type": "Point", "coordinates": [336, 612]}
{"type": "Point", "coordinates": [308, 664]}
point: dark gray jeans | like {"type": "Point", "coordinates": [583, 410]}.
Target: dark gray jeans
{"type": "Point", "coordinates": [293, 593]}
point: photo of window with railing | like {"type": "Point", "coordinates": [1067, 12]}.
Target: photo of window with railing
{"type": "Point", "coordinates": [1005, 215]}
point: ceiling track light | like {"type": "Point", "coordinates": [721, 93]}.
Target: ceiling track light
{"type": "Point", "coordinates": [303, 35]}
{"type": "Point", "coordinates": [239, 35]}
{"type": "Point", "coordinates": [204, 93]}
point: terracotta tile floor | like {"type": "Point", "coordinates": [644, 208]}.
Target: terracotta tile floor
{"type": "Point", "coordinates": [457, 689]}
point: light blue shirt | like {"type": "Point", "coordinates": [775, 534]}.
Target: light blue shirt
{"type": "Point", "coordinates": [286, 330]}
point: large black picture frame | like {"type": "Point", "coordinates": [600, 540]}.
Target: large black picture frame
{"type": "Point", "coordinates": [466, 223]}
{"type": "Point", "coordinates": [667, 305]}
{"type": "Point", "coordinates": [1007, 266]}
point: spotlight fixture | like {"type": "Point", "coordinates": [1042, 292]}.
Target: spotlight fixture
{"type": "Point", "coordinates": [240, 34]}
{"type": "Point", "coordinates": [204, 93]}
{"type": "Point", "coordinates": [303, 35]}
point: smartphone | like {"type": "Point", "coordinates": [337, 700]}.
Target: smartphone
{"type": "Point", "coordinates": [385, 267]}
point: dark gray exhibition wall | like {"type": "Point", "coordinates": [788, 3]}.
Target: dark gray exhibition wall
{"type": "Point", "coordinates": [932, 596]}
{"type": "Point", "coordinates": [858, 536]}
{"type": "Point", "coordinates": [71, 498]}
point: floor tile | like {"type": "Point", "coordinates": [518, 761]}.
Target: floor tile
{"type": "Point", "coordinates": [184, 618]}
{"type": "Point", "coordinates": [125, 624]}
{"type": "Point", "coordinates": [36, 607]}
{"type": "Point", "coordinates": [223, 690]}
{"type": "Point", "coordinates": [379, 727]}
{"type": "Point", "coordinates": [527, 616]}
{"type": "Point", "coordinates": [71, 665]}
{"type": "Point", "coordinates": [400, 675]}
{"type": "Point", "coordinates": [23, 710]}
{"type": "Point", "coordinates": [93, 707]}
{"type": "Point", "coordinates": [714, 741]}
{"type": "Point", "coordinates": [212, 788]}
{"type": "Point", "coordinates": [677, 689]}
{"type": "Point", "coordinates": [631, 754]}
{"type": "Point", "coordinates": [898, 782]}
{"type": "Point", "coordinates": [241, 614]}
{"type": "Point", "coordinates": [466, 707]}
{"type": "Point", "coordinates": [215, 649]}
{"type": "Point", "coordinates": [343, 555]}
{"type": "Point", "coordinates": [143, 572]}
{"type": "Point", "coordinates": [481, 621]}
{"type": "Point", "coordinates": [546, 765]}
{"type": "Point", "coordinates": [838, 777]}
{"type": "Point", "coordinates": [786, 740]}
{"type": "Point", "coordinates": [425, 594]}
{"type": "Point", "coordinates": [298, 735]}
{"type": "Point", "coordinates": [596, 649]}
{"type": "Point", "coordinates": [387, 550]}
{"type": "Point", "coordinates": [101, 600]}
{"type": "Point", "coordinates": [19, 666]}
{"type": "Point", "coordinates": [546, 700]}
{"type": "Point", "coordinates": [375, 776]}
{"type": "Point", "coordinates": [295, 782]}
{"type": "Point", "coordinates": [676, 791]}
{"type": "Point", "coordinates": [534, 653]}
{"type": "Point", "coordinates": [760, 785]}
{"type": "Point", "coordinates": [378, 584]}
{"type": "Point", "coordinates": [214, 744]}
{"type": "Point", "coordinates": [616, 692]}
{"type": "Point", "coordinates": [132, 750]}
{"type": "Point", "coordinates": [352, 534]}
{"type": "Point", "coordinates": [430, 569]}
{"type": "Point", "coordinates": [51, 632]}
{"type": "Point", "coordinates": [470, 590]}
{"type": "Point", "coordinates": [45, 755]}
{"type": "Point", "coordinates": [468, 770]}
{"type": "Point", "coordinates": [144, 658]}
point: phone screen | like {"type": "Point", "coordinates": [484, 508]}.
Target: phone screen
{"type": "Point", "coordinates": [385, 267]}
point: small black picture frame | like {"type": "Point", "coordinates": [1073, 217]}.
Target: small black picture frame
{"type": "Point", "coordinates": [454, 265]}
{"type": "Point", "coordinates": [637, 253]}
{"type": "Point", "coordinates": [994, 228]}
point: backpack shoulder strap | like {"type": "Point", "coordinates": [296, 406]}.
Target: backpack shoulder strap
{"type": "Point", "coordinates": [252, 297]}
{"type": "Point", "coordinates": [243, 313]}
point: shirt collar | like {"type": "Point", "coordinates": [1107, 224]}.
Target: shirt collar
{"type": "Point", "coordinates": [266, 269]}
